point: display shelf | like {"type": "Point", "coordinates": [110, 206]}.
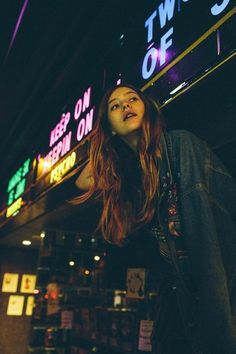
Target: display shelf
{"type": "Point", "coordinates": [45, 326]}
{"type": "Point", "coordinates": [48, 349]}
{"type": "Point", "coordinates": [97, 346]}
{"type": "Point", "coordinates": [45, 350]}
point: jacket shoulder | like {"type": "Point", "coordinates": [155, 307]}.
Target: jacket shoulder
{"type": "Point", "coordinates": [184, 136]}
{"type": "Point", "coordinates": [186, 143]}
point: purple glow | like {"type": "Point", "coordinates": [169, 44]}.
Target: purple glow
{"type": "Point", "coordinates": [179, 7]}
{"type": "Point", "coordinates": [218, 42]}
{"type": "Point", "coordinates": [17, 25]}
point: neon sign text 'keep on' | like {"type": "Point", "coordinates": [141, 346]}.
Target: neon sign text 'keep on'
{"type": "Point", "coordinates": [60, 139]}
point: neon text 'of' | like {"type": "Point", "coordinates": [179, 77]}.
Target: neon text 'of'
{"type": "Point", "coordinates": [153, 55]}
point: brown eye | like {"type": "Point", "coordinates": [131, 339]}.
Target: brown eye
{"type": "Point", "coordinates": [133, 99]}
{"type": "Point", "coordinates": [114, 107]}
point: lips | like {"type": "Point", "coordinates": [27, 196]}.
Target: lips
{"type": "Point", "coordinates": [129, 115]}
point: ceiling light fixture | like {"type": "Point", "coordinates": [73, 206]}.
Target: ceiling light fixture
{"type": "Point", "coordinates": [26, 242]}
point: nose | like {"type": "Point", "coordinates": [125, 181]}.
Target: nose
{"type": "Point", "coordinates": [125, 106]}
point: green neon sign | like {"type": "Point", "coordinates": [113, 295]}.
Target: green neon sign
{"type": "Point", "coordinates": [17, 183]}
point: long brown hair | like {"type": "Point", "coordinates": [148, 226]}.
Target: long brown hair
{"type": "Point", "coordinates": [118, 217]}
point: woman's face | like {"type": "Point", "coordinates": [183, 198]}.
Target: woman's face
{"type": "Point", "coordinates": [125, 111]}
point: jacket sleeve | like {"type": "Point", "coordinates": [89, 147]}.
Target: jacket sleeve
{"type": "Point", "coordinates": [207, 205]}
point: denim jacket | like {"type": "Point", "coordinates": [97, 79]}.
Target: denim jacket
{"type": "Point", "coordinates": [206, 207]}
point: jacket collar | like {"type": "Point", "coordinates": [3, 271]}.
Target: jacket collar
{"type": "Point", "coordinates": [166, 170]}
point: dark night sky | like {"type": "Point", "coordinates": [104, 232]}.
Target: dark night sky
{"type": "Point", "coordinates": [51, 37]}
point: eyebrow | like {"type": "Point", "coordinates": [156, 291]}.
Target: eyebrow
{"type": "Point", "coordinates": [128, 92]}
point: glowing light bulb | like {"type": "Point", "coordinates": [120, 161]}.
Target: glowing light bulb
{"type": "Point", "coordinates": [26, 242]}
{"type": "Point", "coordinates": [43, 234]}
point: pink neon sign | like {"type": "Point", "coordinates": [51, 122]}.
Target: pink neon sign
{"type": "Point", "coordinates": [82, 104]}
{"type": "Point", "coordinates": [61, 136]}
{"type": "Point", "coordinates": [59, 129]}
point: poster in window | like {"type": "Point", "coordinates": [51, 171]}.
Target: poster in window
{"type": "Point", "coordinates": [67, 319]}
{"type": "Point", "coordinates": [28, 283]}
{"type": "Point", "coordinates": [53, 291]}
{"type": "Point", "coordinates": [29, 306]}
{"type": "Point", "coordinates": [145, 332]}
{"type": "Point", "coordinates": [10, 282]}
{"type": "Point", "coordinates": [135, 282]}
{"type": "Point", "coordinates": [15, 305]}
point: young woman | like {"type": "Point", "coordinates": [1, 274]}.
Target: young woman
{"type": "Point", "coordinates": [172, 185]}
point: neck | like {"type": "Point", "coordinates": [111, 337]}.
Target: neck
{"type": "Point", "coordinates": [132, 140]}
